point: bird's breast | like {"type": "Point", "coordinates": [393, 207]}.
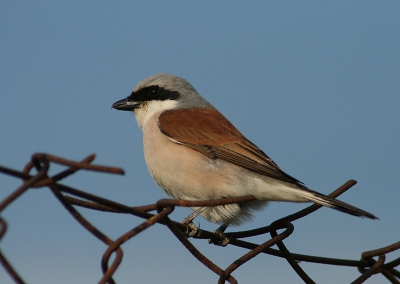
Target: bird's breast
{"type": "Point", "coordinates": [185, 173]}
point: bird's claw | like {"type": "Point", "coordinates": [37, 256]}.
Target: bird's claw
{"type": "Point", "coordinates": [192, 230]}
{"type": "Point", "coordinates": [223, 239]}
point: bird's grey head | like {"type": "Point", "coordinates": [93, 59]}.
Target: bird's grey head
{"type": "Point", "coordinates": [159, 93]}
{"type": "Point", "coordinates": [162, 88]}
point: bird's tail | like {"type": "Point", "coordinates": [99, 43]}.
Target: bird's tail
{"type": "Point", "coordinates": [336, 204]}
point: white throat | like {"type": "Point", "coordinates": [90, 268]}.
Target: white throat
{"type": "Point", "coordinates": [149, 108]}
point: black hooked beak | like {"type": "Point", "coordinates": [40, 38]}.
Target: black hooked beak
{"type": "Point", "coordinates": [126, 104]}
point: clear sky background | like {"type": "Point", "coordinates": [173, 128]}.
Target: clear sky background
{"type": "Point", "coordinates": [314, 84]}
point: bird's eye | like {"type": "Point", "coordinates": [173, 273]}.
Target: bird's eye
{"type": "Point", "coordinates": [153, 92]}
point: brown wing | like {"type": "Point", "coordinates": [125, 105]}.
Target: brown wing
{"type": "Point", "coordinates": [210, 133]}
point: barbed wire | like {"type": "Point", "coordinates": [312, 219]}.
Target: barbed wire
{"type": "Point", "coordinates": [70, 197]}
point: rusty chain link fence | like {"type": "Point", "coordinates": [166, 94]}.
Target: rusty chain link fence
{"type": "Point", "coordinates": [371, 262]}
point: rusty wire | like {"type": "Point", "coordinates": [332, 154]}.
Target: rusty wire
{"type": "Point", "coordinates": [70, 197]}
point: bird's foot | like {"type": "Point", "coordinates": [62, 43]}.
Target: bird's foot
{"type": "Point", "coordinates": [223, 239]}
{"type": "Point", "coordinates": [191, 230]}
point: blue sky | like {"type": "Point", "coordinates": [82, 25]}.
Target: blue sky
{"type": "Point", "coordinates": [315, 85]}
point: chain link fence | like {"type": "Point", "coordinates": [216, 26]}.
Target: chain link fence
{"type": "Point", "coordinates": [371, 262]}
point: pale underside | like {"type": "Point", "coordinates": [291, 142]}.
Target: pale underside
{"type": "Point", "coordinates": [203, 160]}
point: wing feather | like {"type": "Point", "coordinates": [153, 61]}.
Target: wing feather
{"type": "Point", "coordinates": [210, 133]}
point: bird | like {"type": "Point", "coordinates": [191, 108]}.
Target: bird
{"type": "Point", "coordinates": [193, 152]}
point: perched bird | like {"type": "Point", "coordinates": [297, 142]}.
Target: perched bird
{"type": "Point", "coordinates": [194, 153]}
